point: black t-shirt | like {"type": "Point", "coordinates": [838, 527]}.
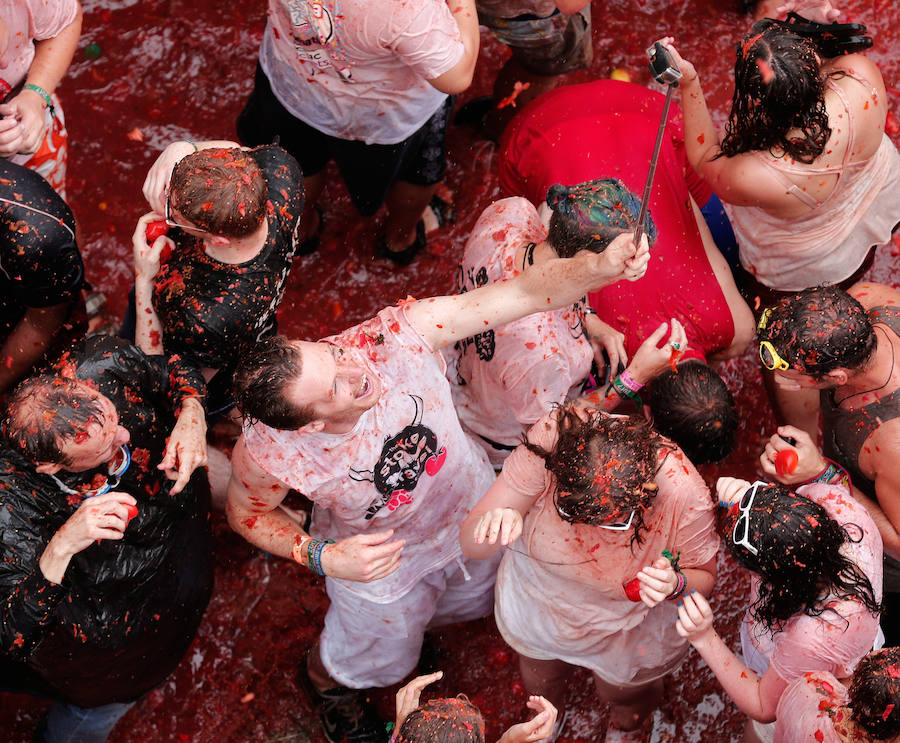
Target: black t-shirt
{"type": "Point", "coordinates": [209, 309]}
{"type": "Point", "coordinates": [40, 265]}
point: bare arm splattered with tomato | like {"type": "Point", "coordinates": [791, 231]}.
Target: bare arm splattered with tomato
{"type": "Point", "coordinates": [148, 333]}
{"type": "Point", "coordinates": [252, 510]}
{"type": "Point", "coordinates": [550, 285]}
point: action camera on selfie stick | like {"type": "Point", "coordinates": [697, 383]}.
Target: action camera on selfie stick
{"type": "Point", "coordinates": [666, 72]}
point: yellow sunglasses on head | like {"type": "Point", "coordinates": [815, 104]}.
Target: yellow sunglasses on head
{"type": "Point", "coordinates": [767, 354]}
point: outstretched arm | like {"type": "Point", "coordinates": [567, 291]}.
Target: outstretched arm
{"type": "Point", "coordinates": [548, 286]}
{"type": "Point", "coordinates": [756, 696]}
{"type": "Point", "coordinates": [739, 180]}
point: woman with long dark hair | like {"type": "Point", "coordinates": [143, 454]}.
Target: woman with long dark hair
{"type": "Point", "coordinates": [807, 174]}
{"type": "Point", "coordinates": [815, 556]}
{"type": "Point", "coordinates": [587, 507]}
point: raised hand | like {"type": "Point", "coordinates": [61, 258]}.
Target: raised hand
{"type": "Point", "coordinates": [608, 339]}
{"type": "Point", "coordinates": [809, 460]}
{"type": "Point", "coordinates": [537, 728]}
{"type": "Point", "coordinates": [650, 360]}
{"type": "Point", "coordinates": [100, 517]}
{"type": "Point", "coordinates": [408, 696]}
{"type": "Point", "coordinates": [186, 447]}
{"type": "Point", "coordinates": [502, 523]}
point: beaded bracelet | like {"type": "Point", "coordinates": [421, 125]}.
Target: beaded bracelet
{"type": "Point", "coordinates": [43, 94]}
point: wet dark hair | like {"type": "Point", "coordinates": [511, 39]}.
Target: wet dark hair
{"type": "Point", "coordinates": [819, 330]}
{"type": "Point", "coordinates": [264, 372]}
{"type": "Point", "coordinates": [777, 88]}
{"type": "Point", "coordinates": [696, 410]}
{"type": "Point", "coordinates": [447, 720]}
{"type": "Point", "coordinates": [875, 693]}
{"type": "Point", "coordinates": [604, 468]}
{"type": "Point", "coordinates": [590, 215]}
{"type": "Point", "coordinates": [222, 191]}
{"type": "Point", "coordinates": [799, 558]}
{"type": "Point", "coordinates": [46, 411]}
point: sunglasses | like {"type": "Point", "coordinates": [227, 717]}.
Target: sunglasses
{"type": "Point", "coordinates": [620, 526]}
{"type": "Point", "coordinates": [770, 358]}
{"type": "Point", "coordinates": [117, 468]}
{"type": "Point", "coordinates": [742, 525]}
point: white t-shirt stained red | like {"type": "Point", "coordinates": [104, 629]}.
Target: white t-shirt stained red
{"type": "Point", "coordinates": [507, 378]}
{"type": "Point", "coordinates": [357, 69]}
{"type": "Point", "coordinates": [407, 465]}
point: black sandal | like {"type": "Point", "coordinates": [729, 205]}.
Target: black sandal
{"type": "Point", "coordinates": [405, 257]}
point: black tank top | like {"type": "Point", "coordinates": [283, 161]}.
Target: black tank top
{"type": "Point", "coordinates": [846, 432]}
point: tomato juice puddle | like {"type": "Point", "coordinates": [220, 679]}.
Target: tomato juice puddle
{"type": "Point", "coordinates": [168, 70]}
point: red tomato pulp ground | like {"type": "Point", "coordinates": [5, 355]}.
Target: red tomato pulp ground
{"type": "Point", "coordinates": [176, 69]}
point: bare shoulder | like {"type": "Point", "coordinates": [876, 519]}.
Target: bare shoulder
{"type": "Point", "coordinates": [881, 450]}
{"type": "Point", "coordinates": [251, 483]}
{"type": "Point", "coordinates": [870, 294]}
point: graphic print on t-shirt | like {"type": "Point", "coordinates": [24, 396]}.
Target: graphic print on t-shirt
{"type": "Point", "coordinates": [403, 459]}
{"type": "Point", "coordinates": [313, 32]}
{"type": "Point", "coordinates": [484, 343]}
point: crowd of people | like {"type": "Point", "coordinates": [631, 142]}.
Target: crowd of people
{"type": "Point", "coordinates": [526, 447]}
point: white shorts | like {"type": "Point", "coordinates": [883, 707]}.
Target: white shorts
{"type": "Point", "coordinates": [366, 645]}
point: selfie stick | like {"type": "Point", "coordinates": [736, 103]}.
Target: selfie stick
{"type": "Point", "coordinates": [664, 71]}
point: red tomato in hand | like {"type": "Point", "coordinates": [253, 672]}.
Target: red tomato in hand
{"type": "Point", "coordinates": [132, 511]}
{"type": "Point", "coordinates": [633, 590]}
{"type": "Point", "coordinates": [891, 125]}
{"type": "Point", "coordinates": [156, 229]}
{"type": "Point", "coordinates": [786, 462]}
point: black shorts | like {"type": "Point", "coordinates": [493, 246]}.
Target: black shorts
{"type": "Point", "coordinates": [369, 170]}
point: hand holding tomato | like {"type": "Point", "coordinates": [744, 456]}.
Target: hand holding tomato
{"type": "Point", "coordinates": [791, 463]}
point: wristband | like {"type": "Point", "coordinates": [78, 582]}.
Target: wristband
{"type": "Point", "coordinates": [43, 94]}
{"type": "Point", "coordinates": [831, 475]}
{"type": "Point", "coordinates": [630, 382]}
{"type": "Point", "coordinates": [192, 143]}
{"type": "Point", "coordinates": [314, 551]}
{"type": "Point", "coordinates": [626, 392]}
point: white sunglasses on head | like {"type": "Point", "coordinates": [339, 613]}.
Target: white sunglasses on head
{"type": "Point", "coordinates": [744, 519]}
